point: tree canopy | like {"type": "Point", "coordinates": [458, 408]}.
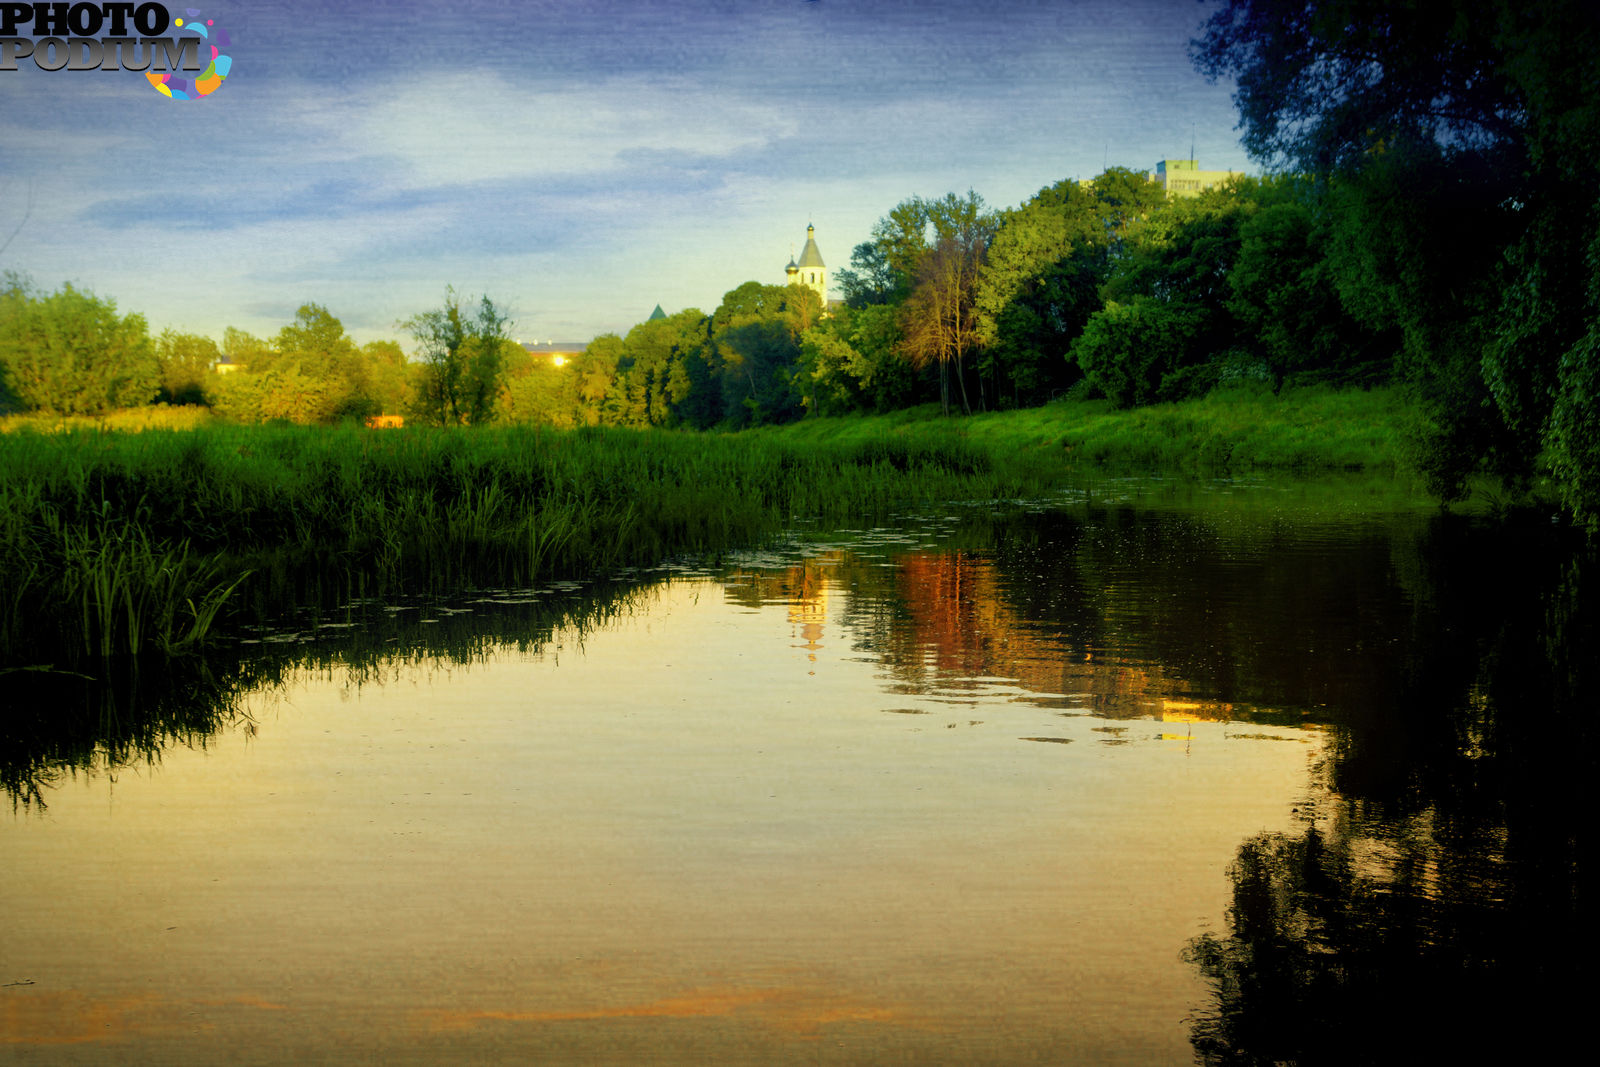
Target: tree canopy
{"type": "Point", "coordinates": [70, 353]}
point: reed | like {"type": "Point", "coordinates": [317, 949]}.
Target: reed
{"type": "Point", "coordinates": [150, 536]}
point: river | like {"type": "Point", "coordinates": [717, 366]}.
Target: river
{"type": "Point", "coordinates": [1170, 773]}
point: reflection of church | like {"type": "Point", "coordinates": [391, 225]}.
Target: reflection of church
{"type": "Point", "coordinates": [808, 612]}
{"type": "Point", "coordinates": [810, 271]}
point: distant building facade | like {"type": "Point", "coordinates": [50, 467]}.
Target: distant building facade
{"type": "Point", "coordinates": [1183, 177]}
{"type": "Point", "coordinates": [810, 270]}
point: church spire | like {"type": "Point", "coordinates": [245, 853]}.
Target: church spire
{"type": "Point", "coordinates": [810, 271]}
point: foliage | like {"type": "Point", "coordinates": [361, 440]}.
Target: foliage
{"type": "Point", "coordinates": [462, 356]}
{"type": "Point", "coordinates": [851, 362]}
{"type": "Point", "coordinates": [870, 279]}
{"type": "Point", "coordinates": [755, 333]}
{"type": "Point", "coordinates": [70, 353]}
{"type": "Point", "coordinates": [185, 360]}
{"type": "Point", "coordinates": [1130, 350]}
{"type": "Point", "coordinates": [311, 373]}
{"type": "Point", "coordinates": [1037, 289]}
{"type": "Point", "coordinates": [939, 320]}
{"type": "Point", "coordinates": [1283, 295]}
{"type": "Point", "coordinates": [658, 368]}
{"type": "Point", "coordinates": [1419, 116]}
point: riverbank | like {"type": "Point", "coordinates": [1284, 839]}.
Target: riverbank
{"type": "Point", "coordinates": [117, 543]}
{"type": "Point", "coordinates": [129, 542]}
{"type": "Point", "coordinates": [1230, 432]}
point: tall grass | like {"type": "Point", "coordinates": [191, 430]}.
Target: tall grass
{"type": "Point", "coordinates": [114, 542]}
{"type": "Point", "coordinates": [147, 536]}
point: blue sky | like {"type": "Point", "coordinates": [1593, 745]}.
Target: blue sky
{"type": "Point", "coordinates": [578, 162]}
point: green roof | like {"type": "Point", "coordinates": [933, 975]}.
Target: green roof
{"type": "Point", "coordinates": [656, 314]}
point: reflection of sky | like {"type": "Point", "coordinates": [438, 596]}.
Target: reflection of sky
{"type": "Point", "coordinates": [688, 831]}
{"type": "Point", "coordinates": [580, 162]}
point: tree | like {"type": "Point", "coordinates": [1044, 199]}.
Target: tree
{"type": "Point", "coordinates": [245, 350]}
{"type": "Point", "coordinates": [317, 375]}
{"type": "Point", "coordinates": [1038, 286]}
{"type": "Point", "coordinates": [1285, 299]}
{"type": "Point", "coordinates": [870, 279]}
{"type": "Point", "coordinates": [755, 335]}
{"type": "Point", "coordinates": [1417, 117]}
{"type": "Point", "coordinates": [462, 360]}
{"type": "Point", "coordinates": [388, 376]}
{"type": "Point", "coordinates": [1125, 196]}
{"type": "Point", "coordinates": [594, 376]}
{"type": "Point", "coordinates": [939, 318]}
{"type": "Point", "coordinates": [185, 360]}
{"type": "Point", "coordinates": [850, 362]}
{"type": "Point", "coordinates": [1129, 351]}
{"type": "Point", "coordinates": [70, 353]}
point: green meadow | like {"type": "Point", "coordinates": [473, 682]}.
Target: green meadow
{"type": "Point", "coordinates": [119, 541]}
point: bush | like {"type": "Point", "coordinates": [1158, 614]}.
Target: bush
{"type": "Point", "coordinates": [1126, 350]}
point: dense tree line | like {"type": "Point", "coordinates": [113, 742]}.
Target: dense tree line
{"type": "Point", "coordinates": [1452, 147]}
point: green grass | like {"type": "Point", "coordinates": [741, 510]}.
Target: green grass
{"type": "Point", "coordinates": [1330, 451]}
{"type": "Point", "coordinates": [117, 543]}
{"type": "Point", "coordinates": [144, 536]}
{"type": "Point", "coordinates": [1237, 431]}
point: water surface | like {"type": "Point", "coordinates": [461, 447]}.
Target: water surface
{"type": "Point", "coordinates": [1125, 781]}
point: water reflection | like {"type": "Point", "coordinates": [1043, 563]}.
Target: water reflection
{"type": "Point", "coordinates": [61, 724]}
{"type": "Point", "coordinates": [1113, 782]}
{"type": "Point", "coordinates": [1122, 613]}
{"type": "Point", "coordinates": [1432, 906]}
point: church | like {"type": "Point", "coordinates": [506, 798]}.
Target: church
{"type": "Point", "coordinates": [810, 271]}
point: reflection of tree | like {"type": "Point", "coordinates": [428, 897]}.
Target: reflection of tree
{"type": "Point", "coordinates": [56, 724]}
{"type": "Point", "coordinates": [61, 723]}
{"type": "Point", "coordinates": [1244, 617]}
{"type": "Point", "coordinates": [1433, 909]}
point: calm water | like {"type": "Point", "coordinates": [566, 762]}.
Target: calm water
{"type": "Point", "coordinates": [1167, 776]}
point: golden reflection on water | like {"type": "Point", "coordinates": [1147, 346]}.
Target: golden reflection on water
{"type": "Point", "coordinates": [699, 831]}
{"type": "Point", "coordinates": [71, 1017]}
{"type": "Point", "coordinates": [801, 1012]}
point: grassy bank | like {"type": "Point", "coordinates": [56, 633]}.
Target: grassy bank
{"type": "Point", "coordinates": [128, 542]}
{"type": "Point", "coordinates": [1241, 431]}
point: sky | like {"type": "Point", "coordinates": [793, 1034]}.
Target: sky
{"type": "Point", "coordinates": [578, 162]}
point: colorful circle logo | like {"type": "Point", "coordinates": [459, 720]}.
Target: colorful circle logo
{"type": "Point", "coordinates": [211, 36]}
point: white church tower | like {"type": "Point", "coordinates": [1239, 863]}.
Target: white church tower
{"type": "Point", "coordinates": [810, 271]}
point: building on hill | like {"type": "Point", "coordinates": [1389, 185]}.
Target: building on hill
{"type": "Point", "coordinates": [1183, 177]}
{"type": "Point", "coordinates": [810, 270]}
{"type": "Point", "coordinates": [656, 314]}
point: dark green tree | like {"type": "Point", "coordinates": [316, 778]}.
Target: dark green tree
{"type": "Point", "coordinates": [850, 362]}
{"type": "Point", "coordinates": [1133, 352]}
{"type": "Point", "coordinates": [756, 336]}
{"type": "Point", "coordinates": [462, 354]}
{"type": "Point", "coordinates": [1421, 116]}
{"type": "Point", "coordinates": [1041, 278]}
{"type": "Point", "coordinates": [870, 279]}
